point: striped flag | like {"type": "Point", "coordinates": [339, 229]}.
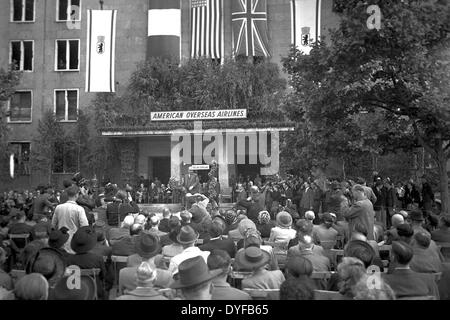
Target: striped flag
{"type": "Point", "coordinates": [206, 28]}
{"type": "Point", "coordinates": [100, 56]}
{"type": "Point", "coordinates": [164, 29]}
{"type": "Point", "coordinates": [249, 20]}
{"type": "Point", "coordinates": [305, 23]}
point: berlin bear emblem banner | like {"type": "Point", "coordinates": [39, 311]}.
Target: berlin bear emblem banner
{"type": "Point", "coordinates": [100, 56]}
{"type": "Point", "coordinates": [305, 23]}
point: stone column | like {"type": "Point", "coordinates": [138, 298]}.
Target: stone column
{"type": "Point", "coordinates": [223, 165]}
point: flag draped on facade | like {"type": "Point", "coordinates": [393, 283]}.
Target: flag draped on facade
{"type": "Point", "coordinates": [249, 24]}
{"type": "Point", "coordinates": [305, 23]}
{"type": "Point", "coordinates": [100, 56]}
{"type": "Point", "coordinates": [164, 29]}
{"type": "Point", "coordinates": [207, 28]}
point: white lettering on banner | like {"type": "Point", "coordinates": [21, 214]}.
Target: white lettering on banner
{"type": "Point", "coordinates": [224, 151]}
{"type": "Point", "coordinates": [199, 115]}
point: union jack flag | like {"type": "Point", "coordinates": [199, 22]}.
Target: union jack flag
{"type": "Point", "coordinates": [249, 19]}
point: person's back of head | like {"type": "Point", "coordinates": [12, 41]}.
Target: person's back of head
{"type": "Point", "coordinates": [154, 221]}
{"type": "Point", "coordinates": [397, 219]}
{"type": "Point", "coordinates": [219, 259]}
{"type": "Point", "coordinates": [381, 291]}
{"type": "Point", "coordinates": [215, 230]}
{"type": "Point", "coordinates": [297, 289]}
{"type": "Point", "coordinates": [305, 242]}
{"type": "Point", "coordinates": [72, 192]}
{"type": "Point", "coordinates": [402, 252]}
{"type": "Point", "coordinates": [136, 229]}
{"type": "Point", "coordinates": [304, 226]}
{"type": "Point", "coordinates": [361, 228]}
{"type": "Point", "coordinates": [361, 250]}
{"type": "Point", "coordinates": [32, 286]}
{"type": "Point", "coordinates": [405, 232]}
{"type": "Point", "coordinates": [445, 221]}
{"type": "Point", "coordinates": [299, 266]}
{"type": "Point", "coordinates": [67, 184]}
{"type": "Point", "coordinates": [360, 181]}
{"type": "Point", "coordinates": [127, 222]}
{"type": "Point", "coordinates": [423, 239]}
{"type": "Point", "coordinates": [146, 274]}
{"type": "Point", "coordinates": [166, 213]}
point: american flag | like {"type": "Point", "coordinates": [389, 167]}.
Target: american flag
{"type": "Point", "coordinates": [207, 28]}
{"type": "Point", "coordinates": [249, 19]}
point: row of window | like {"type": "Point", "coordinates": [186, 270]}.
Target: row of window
{"type": "Point", "coordinates": [65, 105]}
{"type": "Point", "coordinates": [67, 54]}
{"type": "Point", "coordinates": [64, 160]}
{"type": "Point", "coordinates": [66, 10]}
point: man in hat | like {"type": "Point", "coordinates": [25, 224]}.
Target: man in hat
{"type": "Point", "coordinates": [82, 242]}
{"type": "Point", "coordinates": [101, 248]}
{"type": "Point", "coordinates": [404, 281]}
{"type": "Point", "coordinates": [195, 279]}
{"type": "Point", "coordinates": [187, 238]}
{"type": "Point", "coordinates": [442, 234]}
{"type": "Point", "coordinates": [305, 249]}
{"type": "Point", "coordinates": [425, 259]}
{"type": "Point", "coordinates": [146, 275]}
{"type": "Point", "coordinates": [57, 240]}
{"type": "Point", "coordinates": [85, 290]}
{"type": "Point", "coordinates": [147, 246]}
{"type": "Point", "coordinates": [254, 259]}
{"type": "Point", "coordinates": [70, 215]}
{"type": "Point", "coordinates": [416, 220]}
{"type": "Point", "coordinates": [167, 239]}
{"type": "Point", "coordinates": [221, 260]}
{"type": "Point", "coordinates": [283, 232]}
{"type": "Point", "coordinates": [50, 263]}
{"type": "Point", "coordinates": [216, 241]}
{"type": "Point", "coordinates": [325, 231]}
{"type": "Point", "coordinates": [361, 211]}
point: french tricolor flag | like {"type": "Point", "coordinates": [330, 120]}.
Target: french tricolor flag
{"type": "Point", "coordinates": [164, 29]}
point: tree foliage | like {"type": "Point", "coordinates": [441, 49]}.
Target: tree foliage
{"type": "Point", "coordinates": [379, 90]}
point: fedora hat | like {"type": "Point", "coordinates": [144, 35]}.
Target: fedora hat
{"type": "Point", "coordinates": [252, 258]}
{"type": "Point", "coordinates": [416, 215]}
{"type": "Point", "coordinates": [84, 240]}
{"type": "Point", "coordinates": [147, 245]}
{"type": "Point", "coordinates": [86, 290]}
{"type": "Point", "coordinates": [58, 238]}
{"type": "Point", "coordinates": [49, 262]}
{"type": "Point", "coordinates": [192, 272]}
{"type": "Point", "coordinates": [284, 219]}
{"type": "Point", "coordinates": [187, 235]}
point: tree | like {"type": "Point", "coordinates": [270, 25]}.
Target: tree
{"type": "Point", "coordinates": [399, 74]}
{"type": "Point", "coordinates": [49, 138]}
{"type": "Point", "coordinates": [9, 80]}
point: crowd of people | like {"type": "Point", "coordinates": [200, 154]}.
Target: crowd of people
{"type": "Point", "coordinates": [278, 234]}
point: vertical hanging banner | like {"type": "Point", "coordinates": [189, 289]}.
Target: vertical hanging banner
{"type": "Point", "coordinates": [164, 29]}
{"type": "Point", "coordinates": [100, 56]}
{"type": "Point", "coordinates": [305, 17]}
{"type": "Point", "coordinates": [207, 28]}
{"type": "Point", "coordinates": [249, 21]}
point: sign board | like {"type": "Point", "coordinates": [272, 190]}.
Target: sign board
{"type": "Point", "coordinates": [199, 167]}
{"type": "Point", "coordinates": [199, 115]}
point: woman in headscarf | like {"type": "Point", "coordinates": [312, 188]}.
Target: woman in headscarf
{"type": "Point", "coordinates": [264, 224]}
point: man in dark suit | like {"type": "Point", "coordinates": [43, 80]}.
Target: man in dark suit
{"type": "Point", "coordinates": [404, 281]}
{"type": "Point", "coordinates": [217, 242]}
{"type": "Point", "coordinates": [442, 234]}
{"type": "Point", "coordinates": [361, 212]}
{"type": "Point", "coordinates": [191, 182]}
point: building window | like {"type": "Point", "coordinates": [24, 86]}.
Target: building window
{"type": "Point", "coordinates": [65, 158]}
{"type": "Point", "coordinates": [22, 10]}
{"type": "Point", "coordinates": [20, 106]}
{"type": "Point", "coordinates": [66, 105]}
{"type": "Point", "coordinates": [21, 54]}
{"type": "Point", "coordinates": [68, 10]}
{"type": "Point", "coordinates": [21, 152]}
{"type": "Point", "coordinates": [67, 55]}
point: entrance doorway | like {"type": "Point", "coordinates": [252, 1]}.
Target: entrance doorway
{"type": "Point", "coordinates": [159, 167]}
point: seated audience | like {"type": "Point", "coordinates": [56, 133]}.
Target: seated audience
{"type": "Point", "coordinates": [442, 234]}
{"type": "Point", "coordinates": [5, 280]}
{"type": "Point", "coordinates": [325, 231]}
{"type": "Point", "coordinates": [147, 247]}
{"type": "Point", "coordinates": [425, 259]}
{"type": "Point", "coordinates": [351, 271]}
{"type": "Point", "coordinates": [381, 291]}
{"type": "Point", "coordinates": [126, 245]}
{"type": "Point", "coordinates": [164, 223]}
{"type": "Point", "coordinates": [305, 249]}
{"type": "Point", "coordinates": [116, 234]}
{"type": "Point", "coordinates": [216, 241]}
{"type": "Point", "coordinates": [264, 224]}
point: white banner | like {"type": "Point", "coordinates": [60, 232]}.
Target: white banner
{"type": "Point", "coordinates": [100, 56]}
{"type": "Point", "coordinates": [199, 115]}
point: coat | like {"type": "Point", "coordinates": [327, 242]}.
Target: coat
{"type": "Point", "coordinates": [361, 212]}
{"type": "Point", "coordinates": [407, 283]}
{"type": "Point", "coordinates": [191, 180]}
